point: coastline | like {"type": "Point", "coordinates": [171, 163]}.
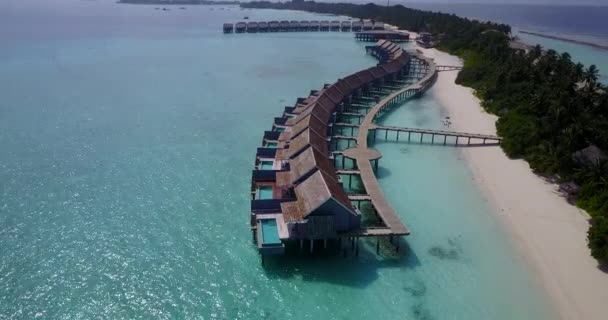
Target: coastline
{"type": "Point", "coordinates": [548, 232]}
{"type": "Point", "coordinates": [548, 36]}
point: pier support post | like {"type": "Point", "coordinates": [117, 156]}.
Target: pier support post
{"type": "Point", "coordinates": [325, 244]}
{"type": "Point", "coordinates": [312, 243]}
{"type": "Point", "coordinates": [469, 142]}
{"type": "Point", "coordinates": [301, 245]}
{"type": "Point", "coordinates": [421, 136]}
{"type": "Point", "coordinates": [433, 139]}
{"type": "Point", "coordinates": [377, 245]}
{"type": "Point", "coordinates": [456, 140]}
{"type": "Point", "coordinates": [397, 135]}
{"type": "Point", "coordinates": [357, 245]}
{"type": "Point", "coordinates": [409, 136]}
{"type": "Point", "coordinates": [376, 165]}
{"type": "Point", "coordinates": [445, 138]}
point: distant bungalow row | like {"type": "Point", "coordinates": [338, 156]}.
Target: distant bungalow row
{"type": "Point", "coordinates": [297, 193]}
{"type": "Point", "coordinates": [304, 25]}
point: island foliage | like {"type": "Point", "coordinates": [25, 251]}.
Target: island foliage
{"type": "Point", "coordinates": [553, 112]}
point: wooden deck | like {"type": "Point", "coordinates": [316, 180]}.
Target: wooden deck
{"type": "Point", "coordinates": [448, 68]}
{"type": "Point", "coordinates": [375, 35]}
{"type": "Point", "coordinates": [363, 155]}
{"type": "Point", "coordinates": [480, 139]}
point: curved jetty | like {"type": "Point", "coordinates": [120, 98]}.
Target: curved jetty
{"type": "Point", "coordinates": [297, 188]}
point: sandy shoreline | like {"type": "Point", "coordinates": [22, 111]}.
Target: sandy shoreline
{"type": "Point", "coordinates": [549, 233]}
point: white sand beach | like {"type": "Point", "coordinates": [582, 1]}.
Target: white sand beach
{"type": "Point", "coordinates": [550, 233]}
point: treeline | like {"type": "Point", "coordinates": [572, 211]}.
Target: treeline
{"type": "Point", "coordinates": [549, 107]}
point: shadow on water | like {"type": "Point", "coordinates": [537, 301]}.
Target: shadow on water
{"type": "Point", "coordinates": [382, 172]}
{"type": "Point", "coordinates": [331, 266]}
{"type": "Point", "coordinates": [452, 250]}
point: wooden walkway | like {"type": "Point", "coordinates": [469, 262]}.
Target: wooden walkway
{"type": "Point", "coordinates": [448, 68]}
{"type": "Point", "coordinates": [479, 139]}
{"type": "Point", "coordinates": [363, 155]}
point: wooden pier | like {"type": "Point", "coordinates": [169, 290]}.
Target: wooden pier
{"type": "Point", "coordinates": [366, 158]}
{"type": "Point", "coordinates": [448, 68]}
{"type": "Point", "coordinates": [375, 35]}
{"type": "Point", "coordinates": [477, 139]}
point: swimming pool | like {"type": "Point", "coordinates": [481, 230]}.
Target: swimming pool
{"type": "Point", "coordinates": [270, 232]}
{"type": "Point", "coordinates": [264, 192]}
{"type": "Point", "coordinates": [266, 165]}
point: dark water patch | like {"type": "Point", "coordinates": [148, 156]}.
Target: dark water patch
{"type": "Point", "coordinates": [417, 289]}
{"type": "Point", "coordinates": [451, 251]}
{"type": "Point", "coordinates": [421, 312]}
{"type": "Point", "coordinates": [382, 172]}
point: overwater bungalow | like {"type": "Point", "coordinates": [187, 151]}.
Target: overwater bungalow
{"type": "Point", "coordinates": [294, 25]}
{"type": "Point", "coordinates": [345, 26]}
{"type": "Point", "coordinates": [273, 26]}
{"type": "Point", "coordinates": [334, 26]}
{"type": "Point", "coordinates": [284, 26]}
{"type": "Point", "coordinates": [324, 25]}
{"type": "Point", "coordinates": [375, 35]}
{"type": "Point", "coordinates": [368, 25]}
{"type": "Point", "coordinates": [252, 27]}
{"type": "Point", "coordinates": [304, 25]}
{"type": "Point", "coordinates": [263, 26]}
{"type": "Point", "coordinates": [297, 195]}
{"type": "Point", "coordinates": [228, 28]}
{"type": "Point", "coordinates": [314, 25]}
{"type": "Point", "coordinates": [357, 25]}
{"type": "Point", "coordinates": [240, 27]}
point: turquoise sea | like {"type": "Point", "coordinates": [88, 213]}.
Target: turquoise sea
{"type": "Point", "coordinates": [128, 137]}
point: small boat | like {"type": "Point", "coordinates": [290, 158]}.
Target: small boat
{"type": "Point", "coordinates": [246, 18]}
{"type": "Point", "coordinates": [182, 8]}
